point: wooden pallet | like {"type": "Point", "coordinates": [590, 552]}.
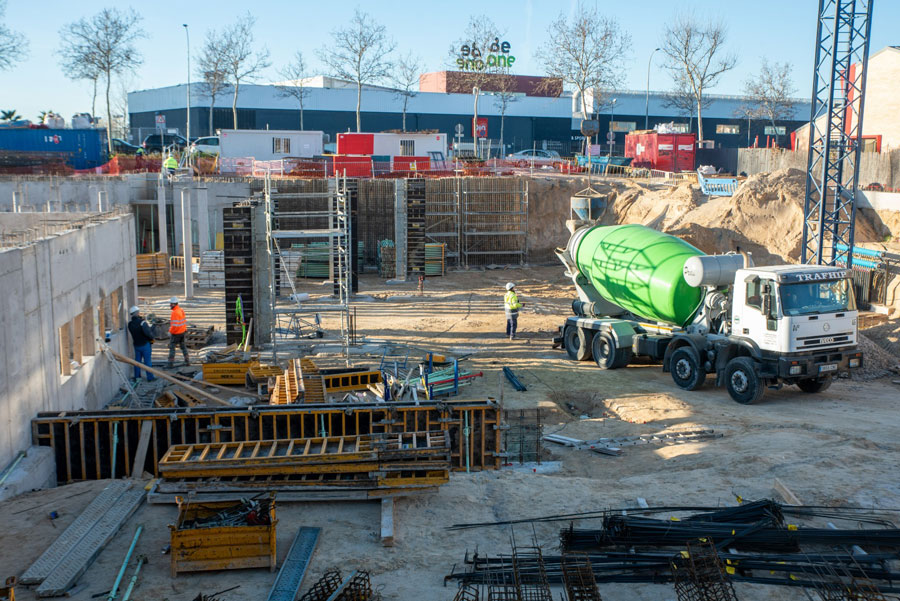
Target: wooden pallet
{"type": "Point", "coordinates": [198, 337]}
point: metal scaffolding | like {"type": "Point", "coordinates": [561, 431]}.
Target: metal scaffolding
{"type": "Point", "coordinates": [337, 217]}
{"type": "Point", "coordinates": [836, 121]}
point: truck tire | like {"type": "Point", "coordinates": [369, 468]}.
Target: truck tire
{"type": "Point", "coordinates": [743, 383]}
{"type": "Point", "coordinates": [815, 385]}
{"type": "Point", "coordinates": [606, 354]}
{"type": "Point", "coordinates": [576, 342]}
{"type": "Point", "coordinates": [684, 366]}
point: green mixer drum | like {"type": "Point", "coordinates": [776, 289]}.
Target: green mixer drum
{"type": "Point", "coordinates": [641, 270]}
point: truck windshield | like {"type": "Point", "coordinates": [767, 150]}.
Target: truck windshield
{"type": "Point", "coordinates": [810, 298]}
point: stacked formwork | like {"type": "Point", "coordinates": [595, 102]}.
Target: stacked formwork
{"type": "Point", "coordinates": [238, 244]}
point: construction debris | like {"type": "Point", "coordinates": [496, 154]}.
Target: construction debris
{"type": "Point", "coordinates": [612, 446]}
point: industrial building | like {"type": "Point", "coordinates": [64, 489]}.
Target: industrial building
{"type": "Point", "coordinates": [544, 121]}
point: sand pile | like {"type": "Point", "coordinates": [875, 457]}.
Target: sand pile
{"type": "Point", "coordinates": [765, 215]}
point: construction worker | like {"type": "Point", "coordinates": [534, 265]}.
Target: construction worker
{"type": "Point", "coordinates": [177, 329]}
{"type": "Point", "coordinates": [170, 164]}
{"type": "Point", "coordinates": [142, 338]}
{"type": "Point", "coordinates": [512, 305]}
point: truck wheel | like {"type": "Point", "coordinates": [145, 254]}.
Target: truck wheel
{"type": "Point", "coordinates": [606, 354]}
{"type": "Point", "coordinates": [685, 368]}
{"type": "Point", "coordinates": [576, 341]}
{"type": "Point", "coordinates": [743, 383]}
{"type": "Point", "coordinates": [816, 385]}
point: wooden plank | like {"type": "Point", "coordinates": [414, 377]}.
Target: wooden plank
{"type": "Point", "coordinates": [160, 374]}
{"type": "Point", "coordinates": [387, 522]}
{"type": "Point", "coordinates": [140, 455]}
{"type": "Point", "coordinates": [65, 336]}
{"type": "Point", "coordinates": [786, 493]}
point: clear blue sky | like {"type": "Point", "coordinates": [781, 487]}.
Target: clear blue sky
{"type": "Point", "coordinates": [780, 29]}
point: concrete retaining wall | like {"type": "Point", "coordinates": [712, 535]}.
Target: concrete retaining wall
{"type": "Point", "coordinates": [46, 285]}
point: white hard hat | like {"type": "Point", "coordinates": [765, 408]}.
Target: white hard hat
{"type": "Point", "coordinates": [510, 285]}
{"type": "Point", "coordinates": [133, 310]}
{"type": "Point", "coordinates": [173, 300]}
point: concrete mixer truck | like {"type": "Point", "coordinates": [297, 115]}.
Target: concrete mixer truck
{"type": "Point", "coordinates": [643, 293]}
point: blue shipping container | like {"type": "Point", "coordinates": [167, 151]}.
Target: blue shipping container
{"type": "Point", "coordinates": [79, 148]}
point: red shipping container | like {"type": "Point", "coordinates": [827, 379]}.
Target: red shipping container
{"type": "Point", "coordinates": [354, 166]}
{"type": "Point", "coordinates": [666, 152]}
{"type": "Point", "coordinates": [406, 163]}
{"type": "Point", "coordinates": [355, 143]}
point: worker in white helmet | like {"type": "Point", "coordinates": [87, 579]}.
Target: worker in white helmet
{"type": "Point", "coordinates": [177, 330]}
{"type": "Point", "coordinates": [512, 306]}
{"type": "Point", "coordinates": [142, 338]}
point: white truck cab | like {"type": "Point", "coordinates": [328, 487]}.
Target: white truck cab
{"type": "Point", "coordinates": [795, 308]}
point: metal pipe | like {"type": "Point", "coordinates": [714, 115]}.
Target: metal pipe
{"type": "Point", "coordinates": [115, 588]}
{"type": "Point", "coordinates": [142, 559]}
{"type": "Point", "coordinates": [647, 105]}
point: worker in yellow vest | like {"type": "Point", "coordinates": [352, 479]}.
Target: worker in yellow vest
{"type": "Point", "coordinates": [170, 164]}
{"type": "Point", "coordinates": [177, 330]}
{"type": "Point", "coordinates": [512, 306]}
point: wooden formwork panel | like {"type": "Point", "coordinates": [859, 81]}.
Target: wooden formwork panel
{"type": "Point", "coordinates": [87, 444]}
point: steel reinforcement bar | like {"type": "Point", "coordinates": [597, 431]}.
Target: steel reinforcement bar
{"type": "Point", "coordinates": [89, 445]}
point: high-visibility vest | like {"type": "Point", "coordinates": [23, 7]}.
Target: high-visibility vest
{"type": "Point", "coordinates": [178, 321]}
{"type": "Point", "coordinates": [170, 163]}
{"type": "Point", "coordinates": [512, 302]}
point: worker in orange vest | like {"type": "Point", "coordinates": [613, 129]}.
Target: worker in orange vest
{"type": "Point", "coordinates": [177, 330]}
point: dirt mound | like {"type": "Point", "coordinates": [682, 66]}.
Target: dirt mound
{"type": "Point", "coordinates": [765, 215]}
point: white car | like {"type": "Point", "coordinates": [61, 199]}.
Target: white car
{"type": "Point", "coordinates": [208, 145]}
{"type": "Point", "coordinates": [538, 158]}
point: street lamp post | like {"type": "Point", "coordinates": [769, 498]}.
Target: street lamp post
{"type": "Point", "coordinates": [475, 92]}
{"type": "Point", "coordinates": [188, 128]}
{"type": "Point", "coordinates": [612, 114]}
{"type": "Point", "coordinates": [647, 105]}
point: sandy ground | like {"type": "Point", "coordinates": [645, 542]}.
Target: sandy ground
{"type": "Point", "coordinates": [837, 447]}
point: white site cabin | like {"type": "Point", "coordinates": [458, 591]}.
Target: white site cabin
{"type": "Point", "coordinates": [269, 144]}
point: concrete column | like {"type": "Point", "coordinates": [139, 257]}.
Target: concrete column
{"type": "Point", "coordinates": [263, 275]}
{"type": "Point", "coordinates": [203, 217]}
{"type": "Point", "coordinates": [187, 243]}
{"type": "Point", "coordinates": [400, 227]}
{"type": "Point", "coordinates": [17, 201]}
{"type": "Point", "coordinates": [161, 217]}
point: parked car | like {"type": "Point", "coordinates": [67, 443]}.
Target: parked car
{"type": "Point", "coordinates": [120, 146]}
{"type": "Point", "coordinates": [159, 142]}
{"type": "Point", "coordinates": [538, 158]}
{"type": "Point", "coordinates": [207, 145]}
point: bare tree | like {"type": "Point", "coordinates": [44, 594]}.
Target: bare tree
{"type": "Point", "coordinates": [360, 52]}
{"type": "Point", "coordinates": [682, 99]}
{"type": "Point", "coordinates": [294, 74]}
{"type": "Point", "coordinates": [406, 79]}
{"type": "Point", "coordinates": [242, 63]}
{"type": "Point", "coordinates": [695, 56]}
{"type": "Point", "coordinates": [13, 45]}
{"type": "Point", "coordinates": [104, 43]}
{"type": "Point", "coordinates": [211, 65]}
{"type": "Point", "coordinates": [771, 93]}
{"type": "Point", "coordinates": [478, 55]}
{"type": "Point", "coordinates": [505, 95]}
{"type": "Point", "coordinates": [586, 52]}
